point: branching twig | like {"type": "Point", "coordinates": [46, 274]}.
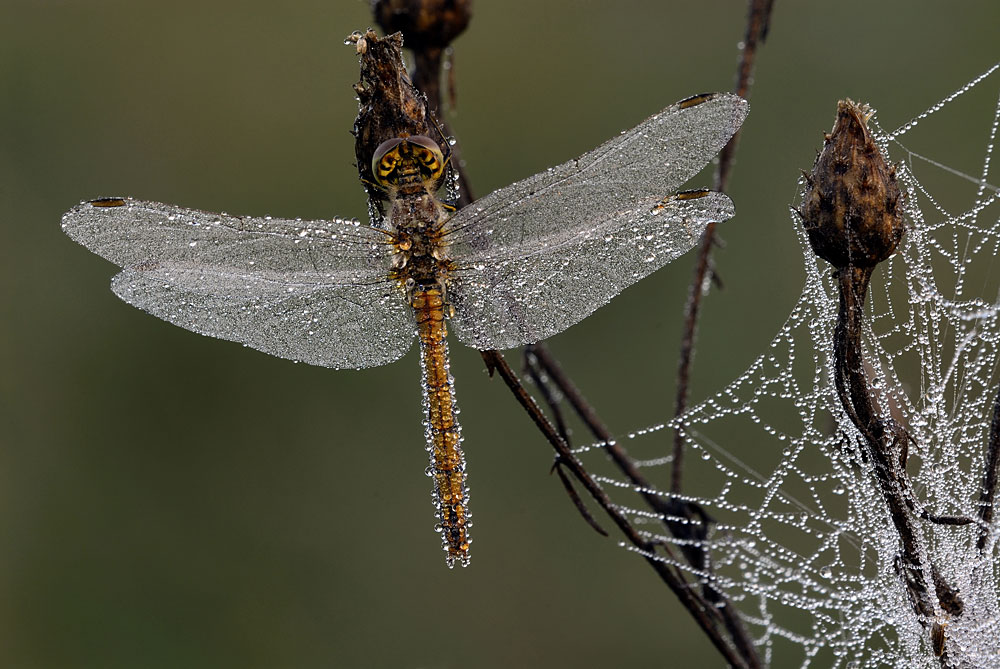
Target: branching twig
{"type": "Point", "coordinates": [758, 20]}
{"type": "Point", "coordinates": [882, 444]}
{"type": "Point", "coordinates": [704, 613]}
{"type": "Point", "coordinates": [552, 402]}
{"type": "Point", "coordinates": [851, 211]}
{"type": "Point", "coordinates": [538, 377]}
{"type": "Point", "coordinates": [685, 521]}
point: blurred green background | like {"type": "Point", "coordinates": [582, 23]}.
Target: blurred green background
{"type": "Point", "coordinates": [169, 500]}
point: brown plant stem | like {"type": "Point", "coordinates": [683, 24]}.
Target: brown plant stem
{"type": "Point", "coordinates": [853, 389]}
{"type": "Point", "coordinates": [429, 27]}
{"type": "Point", "coordinates": [427, 79]}
{"type": "Point", "coordinates": [552, 401]}
{"type": "Point", "coordinates": [991, 474]}
{"type": "Point", "coordinates": [885, 446]}
{"type": "Point", "coordinates": [686, 521]}
{"type": "Point", "coordinates": [705, 614]}
{"type": "Point", "coordinates": [537, 375]}
{"type": "Point", "coordinates": [758, 20]}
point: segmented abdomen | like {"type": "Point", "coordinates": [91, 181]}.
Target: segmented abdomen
{"type": "Point", "coordinates": [441, 428]}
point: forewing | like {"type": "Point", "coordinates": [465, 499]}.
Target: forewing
{"type": "Point", "coordinates": [313, 291]}
{"type": "Point", "coordinates": [538, 256]}
{"type": "Point", "coordinates": [614, 182]}
{"type": "Point", "coordinates": [515, 301]}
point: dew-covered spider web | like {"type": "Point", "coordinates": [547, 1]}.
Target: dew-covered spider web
{"type": "Point", "coordinates": [803, 544]}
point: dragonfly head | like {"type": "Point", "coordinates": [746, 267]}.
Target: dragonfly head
{"type": "Point", "coordinates": [407, 161]}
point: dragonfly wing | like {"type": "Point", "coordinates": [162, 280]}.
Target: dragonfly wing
{"type": "Point", "coordinates": [542, 254]}
{"type": "Point", "coordinates": [506, 302]}
{"type": "Point", "coordinates": [632, 171]}
{"type": "Point", "coordinates": [313, 291]}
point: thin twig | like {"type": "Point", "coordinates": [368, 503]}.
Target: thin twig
{"type": "Point", "coordinates": [557, 466]}
{"type": "Point", "coordinates": [686, 521]}
{"type": "Point", "coordinates": [758, 19]}
{"type": "Point", "coordinates": [552, 401]}
{"type": "Point", "coordinates": [427, 64]}
{"type": "Point", "coordinates": [885, 445]}
{"type": "Point", "coordinates": [537, 376]}
{"type": "Point", "coordinates": [853, 388]}
{"type": "Point", "coordinates": [587, 414]}
{"type": "Point", "coordinates": [428, 28]}
{"type": "Point", "coordinates": [703, 612]}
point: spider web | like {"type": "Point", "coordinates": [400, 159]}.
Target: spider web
{"type": "Point", "coordinates": [803, 545]}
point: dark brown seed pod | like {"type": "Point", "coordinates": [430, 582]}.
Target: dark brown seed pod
{"type": "Point", "coordinates": [851, 208]}
{"type": "Point", "coordinates": [424, 23]}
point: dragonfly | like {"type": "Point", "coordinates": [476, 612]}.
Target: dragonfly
{"type": "Point", "coordinates": [513, 268]}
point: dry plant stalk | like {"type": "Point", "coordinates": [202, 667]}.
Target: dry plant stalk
{"type": "Point", "coordinates": [427, 27]}
{"type": "Point", "coordinates": [852, 213]}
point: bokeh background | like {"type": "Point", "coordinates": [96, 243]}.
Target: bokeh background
{"type": "Point", "coordinates": [169, 500]}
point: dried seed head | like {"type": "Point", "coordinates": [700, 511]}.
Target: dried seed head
{"type": "Point", "coordinates": [425, 24]}
{"type": "Point", "coordinates": [851, 207]}
{"type": "Point", "coordinates": [388, 106]}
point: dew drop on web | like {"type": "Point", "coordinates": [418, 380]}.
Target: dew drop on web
{"type": "Point", "coordinates": [802, 544]}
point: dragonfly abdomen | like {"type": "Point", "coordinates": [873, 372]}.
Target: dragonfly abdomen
{"type": "Point", "coordinates": [441, 428]}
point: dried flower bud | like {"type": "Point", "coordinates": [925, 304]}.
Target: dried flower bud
{"type": "Point", "coordinates": [424, 23]}
{"type": "Point", "coordinates": [388, 104]}
{"type": "Point", "coordinates": [851, 207]}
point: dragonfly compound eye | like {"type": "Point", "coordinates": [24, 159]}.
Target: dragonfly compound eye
{"type": "Point", "coordinates": [429, 156]}
{"type": "Point", "coordinates": [386, 160]}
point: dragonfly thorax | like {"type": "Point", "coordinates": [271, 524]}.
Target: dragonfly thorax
{"type": "Point", "coordinates": [417, 224]}
{"type": "Point", "coordinates": [410, 170]}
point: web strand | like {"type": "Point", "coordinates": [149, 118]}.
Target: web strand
{"type": "Point", "coordinates": [802, 543]}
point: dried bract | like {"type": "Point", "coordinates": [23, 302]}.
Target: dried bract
{"type": "Point", "coordinates": [851, 208]}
